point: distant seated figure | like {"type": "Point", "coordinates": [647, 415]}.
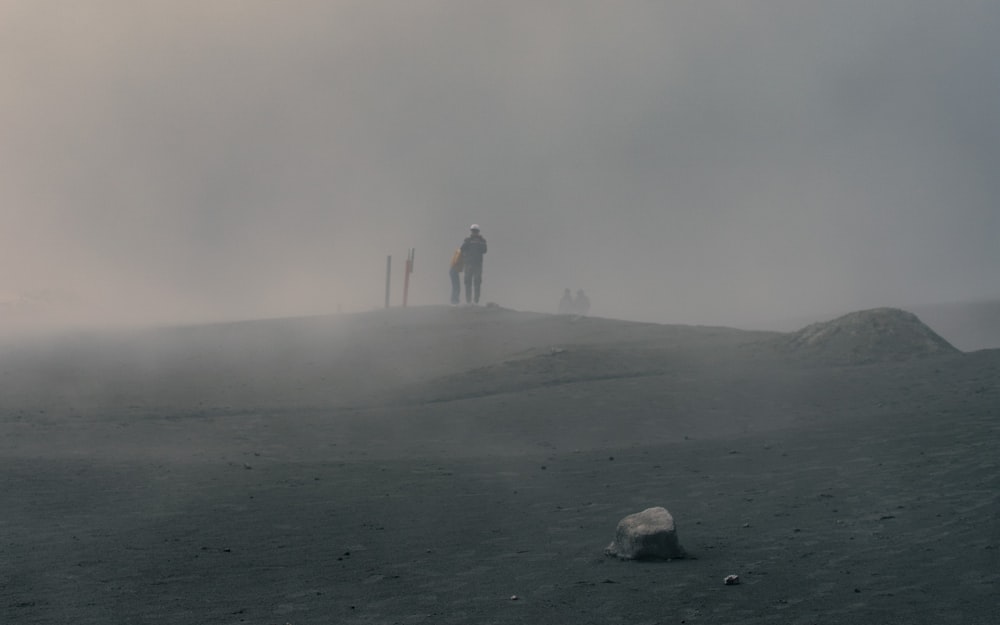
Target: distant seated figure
{"type": "Point", "coordinates": [566, 303]}
{"type": "Point", "coordinates": [581, 305]}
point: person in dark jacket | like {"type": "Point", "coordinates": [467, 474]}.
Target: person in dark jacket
{"type": "Point", "coordinates": [473, 250]}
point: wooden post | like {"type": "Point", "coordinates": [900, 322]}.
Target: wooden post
{"type": "Point", "coordinates": [388, 274]}
{"type": "Point", "coordinates": [406, 277]}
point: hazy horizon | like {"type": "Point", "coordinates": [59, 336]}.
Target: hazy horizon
{"type": "Point", "coordinates": [683, 163]}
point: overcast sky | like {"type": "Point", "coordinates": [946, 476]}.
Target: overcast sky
{"type": "Point", "coordinates": [691, 162]}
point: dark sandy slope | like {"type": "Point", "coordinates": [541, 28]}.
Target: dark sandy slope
{"type": "Point", "coordinates": [428, 465]}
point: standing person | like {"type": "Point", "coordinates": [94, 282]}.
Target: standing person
{"type": "Point", "coordinates": [566, 303]}
{"type": "Point", "coordinates": [456, 267]}
{"type": "Point", "coordinates": [581, 305]}
{"type": "Point", "coordinates": [473, 249]}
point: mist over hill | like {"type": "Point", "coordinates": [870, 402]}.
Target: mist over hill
{"type": "Point", "coordinates": [190, 190]}
{"type": "Point", "coordinates": [967, 325]}
{"type": "Point", "coordinates": [438, 365]}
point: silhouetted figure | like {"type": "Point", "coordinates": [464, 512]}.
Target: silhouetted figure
{"type": "Point", "coordinates": [473, 250]}
{"type": "Point", "coordinates": [456, 268]}
{"type": "Point", "coordinates": [581, 305]}
{"type": "Point", "coordinates": [566, 303]}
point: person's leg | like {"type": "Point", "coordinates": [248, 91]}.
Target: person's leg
{"type": "Point", "coordinates": [478, 282]}
{"type": "Point", "coordinates": [468, 285]}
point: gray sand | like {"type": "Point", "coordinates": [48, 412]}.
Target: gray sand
{"type": "Point", "coordinates": [427, 465]}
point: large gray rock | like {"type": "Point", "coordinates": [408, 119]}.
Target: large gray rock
{"type": "Point", "coordinates": [646, 535]}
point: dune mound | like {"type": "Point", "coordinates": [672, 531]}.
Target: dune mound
{"type": "Point", "coordinates": [876, 335]}
{"type": "Point", "coordinates": [546, 367]}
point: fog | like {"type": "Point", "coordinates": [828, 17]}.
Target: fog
{"type": "Point", "coordinates": [722, 163]}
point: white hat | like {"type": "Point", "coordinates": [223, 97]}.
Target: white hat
{"type": "Point", "coordinates": [474, 227]}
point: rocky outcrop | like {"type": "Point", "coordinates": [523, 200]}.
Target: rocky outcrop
{"type": "Point", "coordinates": [647, 535]}
{"type": "Point", "coordinates": [877, 335]}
